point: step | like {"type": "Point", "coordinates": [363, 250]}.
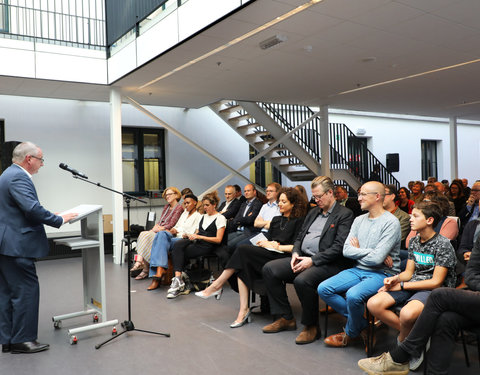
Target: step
{"type": "Point", "coordinates": [259, 134]}
{"type": "Point", "coordinates": [233, 108]}
{"type": "Point", "coordinates": [237, 119]}
{"type": "Point", "coordinates": [246, 126]}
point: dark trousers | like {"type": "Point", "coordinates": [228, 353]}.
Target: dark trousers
{"type": "Point", "coordinates": [446, 312]}
{"type": "Point", "coordinates": [279, 272]}
{"type": "Point", "coordinates": [19, 300]}
{"type": "Point", "coordinates": [185, 249]}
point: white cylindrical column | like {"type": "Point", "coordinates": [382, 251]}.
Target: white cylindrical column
{"type": "Point", "coordinates": [324, 142]}
{"type": "Point", "coordinates": [116, 170]}
{"type": "Point", "coordinates": [453, 148]}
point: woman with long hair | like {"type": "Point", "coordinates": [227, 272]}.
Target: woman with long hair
{"type": "Point", "coordinates": [248, 260]}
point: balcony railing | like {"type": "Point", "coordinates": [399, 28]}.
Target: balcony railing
{"type": "Point", "coordinates": [74, 23]}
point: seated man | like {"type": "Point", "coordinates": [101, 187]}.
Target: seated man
{"type": "Point", "coordinates": [430, 265]}
{"type": "Point", "coordinates": [471, 210]}
{"type": "Point", "coordinates": [374, 242]}
{"type": "Point", "coordinates": [229, 208]}
{"type": "Point", "coordinates": [241, 227]}
{"type": "Point", "coordinates": [270, 209]}
{"type": "Point", "coordinates": [341, 195]}
{"type": "Point", "coordinates": [446, 312]}
{"type": "Point", "coordinates": [391, 196]}
{"type": "Point", "coordinates": [316, 256]}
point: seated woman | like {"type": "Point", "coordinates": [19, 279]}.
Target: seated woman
{"type": "Point", "coordinates": [404, 202]}
{"type": "Point", "coordinates": [169, 217]}
{"type": "Point", "coordinates": [210, 232]}
{"type": "Point", "coordinates": [247, 261]}
{"type": "Point", "coordinates": [431, 264]}
{"type": "Point", "coordinates": [164, 240]}
{"type": "Point", "coordinates": [457, 196]}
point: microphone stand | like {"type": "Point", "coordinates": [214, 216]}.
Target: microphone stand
{"type": "Point", "coordinates": [127, 325]}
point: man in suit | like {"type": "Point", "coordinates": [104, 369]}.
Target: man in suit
{"type": "Point", "coordinates": [230, 206]}
{"type": "Point", "coordinates": [316, 256]}
{"type": "Point", "coordinates": [242, 226]}
{"type": "Point", "coordinates": [22, 240]}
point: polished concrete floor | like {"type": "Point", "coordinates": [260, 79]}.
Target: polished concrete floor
{"type": "Point", "coordinates": [201, 341]}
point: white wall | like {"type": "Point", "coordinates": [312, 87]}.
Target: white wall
{"type": "Point", "coordinates": [77, 133]}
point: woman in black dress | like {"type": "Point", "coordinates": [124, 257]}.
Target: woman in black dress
{"type": "Point", "coordinates": [247, 261]}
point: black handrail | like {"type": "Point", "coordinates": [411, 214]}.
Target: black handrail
{"type": "Point", "coordinates": [347, 151]}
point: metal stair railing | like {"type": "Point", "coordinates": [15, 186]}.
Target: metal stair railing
{"type": "Point", "coordinates": [346, 151]}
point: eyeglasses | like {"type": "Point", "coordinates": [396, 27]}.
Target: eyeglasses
{"type": "Point", "coordinates": [41, 159]}
{"type": "Point", "coordinates": [365, 194]}
{"type": "Point", "coordinates": [318, 197]}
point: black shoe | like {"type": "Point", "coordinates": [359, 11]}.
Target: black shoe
{"type": "Point", "coordinates": [28, 347]}
{"type": "Point", "coordinates": [6, 348]}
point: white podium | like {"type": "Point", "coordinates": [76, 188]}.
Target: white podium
{"type": "Point", "coordinates": [93, 269]}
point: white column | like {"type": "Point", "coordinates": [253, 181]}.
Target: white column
{"type": "Point", "coordinates": [324, 142]}
{"type": "Point", "coordinates": [453, 148]}
{"type": "Point", "coordinates": [116, 170]}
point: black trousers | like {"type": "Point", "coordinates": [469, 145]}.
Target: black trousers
{"type": "Point", "coordinates": [19, 300]}
{"type": "Point", "coordinates": [186, 249]}
{"type": "Point", "coordinates": [279, 272]}
{"type": "Point", "coordinates": [446, 312]}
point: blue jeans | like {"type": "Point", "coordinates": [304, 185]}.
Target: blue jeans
{"type": "Point", "coordinates": [358, 285]}
{"type": "Point", "coordinates": [161, 246]}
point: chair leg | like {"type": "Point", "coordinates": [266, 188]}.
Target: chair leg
{"type": "Point", "coordinates": [464, 343]}
{"type": "Point", "coordinates": [326, 321]}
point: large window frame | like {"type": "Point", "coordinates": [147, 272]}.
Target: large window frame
{"type": "Point", "coordinates": [138, 161]}
{"type": "Point", "coordinates": [429, 159]}
{"type": "Point", "coordinates": [3, 16]}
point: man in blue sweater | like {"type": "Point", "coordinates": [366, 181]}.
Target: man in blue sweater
{"type": "Point", "coordinates": [374, 243]}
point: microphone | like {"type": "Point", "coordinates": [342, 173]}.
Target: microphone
{"type": "Point", "coordinates": [72, 171]}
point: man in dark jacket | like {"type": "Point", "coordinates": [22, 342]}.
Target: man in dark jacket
{"type": "Point", "coordinates": [316, 256]}
{"type": "Point", "coordinates": [446, 312]}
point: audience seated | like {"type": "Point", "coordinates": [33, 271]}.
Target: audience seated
{"type": "Point", "coordinates": [446, 312]}
{"type": "Point", "coordinates": [439, 188]}
{"type": "Point", "coordinates": [417, 192]}
{"type": "Point", "coordinates": [210, 232]}
{"type": "Point", "coordinates": [164, 240]}
{"type": "Point", "coordinates": [229, 208]}
{"type": "Point", "coordinates": [466, 189]}
{"type": "Point", "coordinates": [431, 264]}
{"type": "Point", "coordinates": [242, 226]}
{"type": "Point", "coordinates": [247, 260]}
{"type": "Point", "coordinates": [470, 235]}
{"type": "Point", "coordinates": [316, 256]}
{"type": "Point", "coordinates": [471, 210]}
{"type": "Point", "coordinates": [391, 195]}
{"type": "Point", "coordinates": [341, 195]}
{"type": "Point", "coordinates": [456, 195]}
{"type": "Point", "coordinates": [270, 209]}
{"type": "Point", "coordinates": [238, 194]}
{"type": "Point", "coordinates": [303, 193]}
{"type": "Point", "coordinates": [374, 242]}
{"type": "Point", "coordinates": [404, 201]}
{"type": "Point", "coordinates": [170, 214]}
{"type": "Point", "coordinates": [447, 226]}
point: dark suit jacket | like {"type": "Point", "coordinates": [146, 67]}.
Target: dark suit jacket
{"type": "Point", "coordinates": [232, 209]}
{"type": "Point", "coordinates": [248, 219]}
{"type": "Point", "coordinates": [22, 217]}
{"type": "Point", "coordinates": [333, 236]}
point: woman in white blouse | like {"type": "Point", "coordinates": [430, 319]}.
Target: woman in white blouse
{"type": "Point", "coordinates": [209, 234]}
{"type": "Point", "coordinates": [164, 240]}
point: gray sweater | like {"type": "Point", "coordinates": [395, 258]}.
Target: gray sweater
{"type": "Point", "coordinates": [378, 238]}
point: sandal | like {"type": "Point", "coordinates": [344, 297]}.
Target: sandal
{"type": "Point", "coordinates": [136, 266]}
{"type": "Point", "coordinates": [143, 275]}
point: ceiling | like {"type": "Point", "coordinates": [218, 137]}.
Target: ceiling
{"type": "Point", "coordinates": [413, 57]}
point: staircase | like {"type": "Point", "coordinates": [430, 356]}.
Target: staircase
{"type": "Point", "coordinates": [298, 156]}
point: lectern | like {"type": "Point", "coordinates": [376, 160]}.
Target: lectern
{"type": "Point", "coordinates": [93, 269]}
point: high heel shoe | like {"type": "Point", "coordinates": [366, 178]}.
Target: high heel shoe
{"type": "Point", "coordinates": [154, 285]}
{"type": "Point", "coordinates": [246, 319]}
{"type": "Point", "coordinates": [217, 294]}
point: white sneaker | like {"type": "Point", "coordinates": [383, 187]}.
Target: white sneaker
{"type": "Point", "coordinates": [415, 363]}
{"type": "Point", "coordinates": [174, 285]}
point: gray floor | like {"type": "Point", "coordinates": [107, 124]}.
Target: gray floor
{"type": "Point", "coordinates": [201, 341]}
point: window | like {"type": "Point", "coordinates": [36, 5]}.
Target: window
{"type": "Point", "coordinates": [3, 16]}
{"type": "Point", "coordinates": [262, 172]}
{"type": "Point", "coordinates": [429, 159]}
{"type": "Point", "coordinates": [143, 158]}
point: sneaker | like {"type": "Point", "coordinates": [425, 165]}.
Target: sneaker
{"type": "Point", "coordinates": [416, 362]}
{"type": "Point", "coordinates": [176, 282]}
{"type": "Point", "coordinates": [383, 364]}
{"type": "Point", "coordinates": [177, 288]}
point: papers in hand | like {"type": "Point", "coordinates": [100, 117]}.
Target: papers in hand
{"type": "Point", "coordinates": [261, 237]}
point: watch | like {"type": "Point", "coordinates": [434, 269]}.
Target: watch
{"type": "Point", "coordinates": [401, 285]}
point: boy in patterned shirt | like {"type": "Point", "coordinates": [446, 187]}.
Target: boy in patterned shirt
{"type": "Point", "coordinates": [431, 264]}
